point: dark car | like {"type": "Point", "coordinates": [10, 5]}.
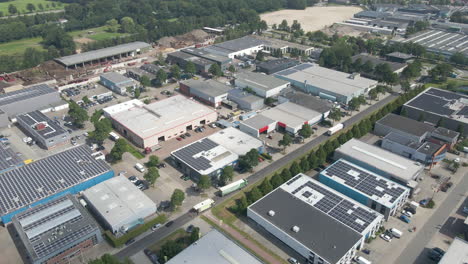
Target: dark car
{"type": "Point", "coordinates": [100, 148]}
{"type": "Point", "coordinates": [183, 136]}
{"type": "Point", "coordinates": [190, 228]}
{"type": "Point", "coordinates": [161, 165]}
{"type": "Point", "coordinates": [188, 134]}
{"type": "Point", "coordinates": [152, 256]}
{"type": "Point", "coordinates": [168, 224]}
{"type": "Point", "coordinates": [411, 210]}
{"type": "Point", "coordinates": [130, 241]}
{"type": "Point", "coordinates": [436, 254]}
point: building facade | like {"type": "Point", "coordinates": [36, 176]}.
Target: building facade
{"type": "Point", "coordinates": [117, 82]}
{"type": "Point", "coordinates": [263, 85]}
{"type": "Point", "coordinates": [209, 92]}
{"type": "Point", "coordinates": [245, 100]}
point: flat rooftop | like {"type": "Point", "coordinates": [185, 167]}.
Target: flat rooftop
{"type": "Point", "coordinates": [51, 129]}
{"type": "Point", "coordinates": [277, 63]}
{"type": "Point", "coordinates": [395, 66]}
{"type": "Point", "coordinates": [338, 222]}
{"type": "Point", "coordinates": [443, 103]}
{"type": "Point", "coordinates": [208, 87]}
{"type": "Point", "coordinates": [399, 167]}
{"type": "Point", "coordinates": [260, 81]}
{"type": "Point", "coordinates": [37, 227]}
{"type": "Point", "coordinates": [457, 253]}
{"type": "Point", "coordinates": [307, 100]}
{"type": "Point", "coordinates": [35, 181]}
{"type": "Point", "coordinates": [291, 114]}
{"type": "Point", "coordinates": [406, 124]}
{"type": "Point", "coordinates": [375, 187]}
{"type": "Point", "coordinates": [236, 140]}
{"type": "Point", "coordinates": [244, 96]}
{"type": "Point", "coordinates": [116, 77]}
{"type": "Point", "coordinates": [278, 43]}
{"type": "Point", "coordinates": [440, 41]}
{"type": "Point", "coordinates": [400, 55]}
{"type": "Point", "coordinates": [258, 121]}
{"type": "Point", "coordinates": [155, 118]}
{"type": "Point", "coordinates": [214, 247]}
{"type": "Point", "coordinates": [239, 44]}
{"type": "Point", "coordinates": [327, 79]}
{"type": "Point", "coordinates": [26, 93]}
{"type": "Point", "coordinates": [9, 159]}
{"type": "Point", "coordinates": [117, 199]}
{"type": "Point", "coordinates": [102, 53]}
{"type": "Point", "coordinates": [207, 55]}
{"type": "Point", "coordinates": [191, 57]}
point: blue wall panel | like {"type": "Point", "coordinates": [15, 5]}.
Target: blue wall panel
{"type": "Point", "coordinates": [344, 189]}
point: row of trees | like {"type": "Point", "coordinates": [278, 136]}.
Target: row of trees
{"type": "Point", "coordinates": [13, 9]}
{"type": "Point", "coordinates": [173, 247]}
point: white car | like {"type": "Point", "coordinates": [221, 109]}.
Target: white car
{"type": "Point", "coordinates": [386, 237]}
{"type": "Point", "coordinates": [407, 213]}
{"type": "Point", "coordinates": [155, 227]}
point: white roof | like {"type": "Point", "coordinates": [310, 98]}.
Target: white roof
{"type": "Point", "coordinates": [291, 114]}
{"type": "Point", "coordinates": [114, 109]}
{"type": "Point", "coordinates": [235, 140]}
{"type": "Point", "coordinates": [152, 119]}
{"type": "Point", "coordinates": [457, 253]}
{"type": "Point", "coordinates": [117, 199]}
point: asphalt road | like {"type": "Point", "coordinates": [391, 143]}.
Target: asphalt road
{"type": "Point", "coordinates": [162, 232]}
{"type": "Point", "coordinates": [416, 251]}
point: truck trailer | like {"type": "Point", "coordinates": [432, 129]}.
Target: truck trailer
{"type": "Point", "coordinates": [232, 187]}
{"type": "Point", "coordinates": [200, 207]}
{"type": "Point", "coordinates": [335, 129]}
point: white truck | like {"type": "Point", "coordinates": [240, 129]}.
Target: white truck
{"type": "Point", "coordinates": [396, 233]}
{"type": "Point", "coordinates": [362, 260]}
{"type": "Point", "coordinates": [335, 129]}
{"type": "Point", "coordinates": [113, 136]}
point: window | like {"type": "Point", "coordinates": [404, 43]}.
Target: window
{"type": "Point", "coordinates": [373, 205]}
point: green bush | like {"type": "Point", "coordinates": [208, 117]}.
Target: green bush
{"type": "Point", "coordinates": [267, 156]}
{"type": "Point", "coordinates": [430, 204]}
{"type": "Point", "coordinates": [119, 241]}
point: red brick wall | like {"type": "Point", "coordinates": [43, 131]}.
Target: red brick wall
{"type": "Point", "coordinates": [184, 89]}
{"type": "Point", "coordinates": [62, 258]}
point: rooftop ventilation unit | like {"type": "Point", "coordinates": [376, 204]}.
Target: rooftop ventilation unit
{"type": "Point", "coordinates": [271, 213]}
{"type": "Point", "coordinates": [295, 229]}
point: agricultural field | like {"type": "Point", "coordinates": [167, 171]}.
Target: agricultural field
{"type": "Point", "coordinates": [21, 6]}
{"type": "Point", "coordinates": [19, 46]}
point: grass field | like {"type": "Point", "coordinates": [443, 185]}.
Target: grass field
{"type": "Point", "coordinates": [21, 6]}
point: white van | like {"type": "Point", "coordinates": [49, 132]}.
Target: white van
{"type": "Point", "coordinates": [139, 167]}
{"type": "Point", "coordinates": [396, 233]}
{"type": "Point", "coordinates": [114, 136]}
{"type": "Point", "coordinates": [362, 260]}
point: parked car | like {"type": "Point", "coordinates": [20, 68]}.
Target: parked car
{"type": "Point", "coordinates": [156, 226]}
{"type": "Point", "coordinates": [465, 209]}
{"type": "Point", "coordinates": [424, 202]}
{"type": "Point", "coordinates": [188, 134]}
{"type": "Point", "coordinates": [411, 209]}
{"type": "Point", "coordinates": [293, 261]}
{"type": "Point", "coordinates": [133, 179]}
{"type": "Point", "coordinates": [405, 219]}
{"type": "Point", "coordinates": [152, 256]}
{"type": "Point", "coordinates": [436, 254]}
{"type": "Point", "coordinates": [130, 241]}
{"type": "Point", "coordinates": [179, 139]}
{"type": "Point", "coordinates": [161, 165]}
{"type": "Point", "coordinates": [168, 224]}
{"type": "Point", "coordinates": [182, 136]}
{"type": "Point", "coordinates": [366, 251]}
{"type": "Point", "coordinates": [407, 213]}
{"type": "Point", "coordinates": [190, 228]}
{"type": "Point", "coordinates": [386, 237]}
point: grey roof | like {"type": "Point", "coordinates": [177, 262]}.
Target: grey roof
{"type": "Point", "coordinates": [102, 53]}
{"type": "Point", "coordinates": [116, 77]}
{"type": "Point", "coordinates": [207, 55]}
{"type": "Point", "coordinates": [277, 65]}
{"type": "Point", "coordinates": [214, 247]}
{"type": "Point", "coordinates": [9, 159]}
{"type": "Point", "coordinates": [306, 100]}
{"type": "Point", "coordinates": [395, 66]}
{"type": "Point", "coordinates": [371, 14]}
{"type": "Point", "coordinates": [51, 129]}
{"type": "Point", "coordinates": [26, 93]}
{"type": "Point", "coordinates": [330, 223]}
{"type": "Point", "coordinates": [150, 67]}
{"type": "Point", "coordinates": [374, 186]}
{"type": "Point", "coordinates": [429, 148]}
{"type": "Point", "coordinates": [260, 81]}
{"type": "Point", "coordinates": [239, 44]}
{"type": "Point", "coordinates": [440, 41]}
{"type": "Point", "coordinates": [37, 227]}
{"type": "Point", "coordinates": [140, 72]}
{"type": "Point", "coordinates": [208, 87]}
{"type": "Point", "coordinates": [440, 102]}
{"type": "Point", "coordinates": [400, 55]}
{"type": "Point", "coordinates": [189, 57]}
{"type": "Point", "coordinates": [238, 94]}
{"type": "Point", "coordinates": [40, 179]}
{"type": "Point", "coordinates": [406, 124]}
{"type": "Point", "coordinates": [258, 121]}
{"type": "Point", "coordinates": [187, 154]}
{"type": "Point", "coordinates": [457, 253]}
{"type": "Point", "coordinates": [445, 132]}
{"type": "Point", "coordinates": [402, 140]}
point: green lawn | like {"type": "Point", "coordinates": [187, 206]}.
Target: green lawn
{"type": "Point", "coordinates": [19, 46]}
{"type": "Point", "coordinates": [21, 6]}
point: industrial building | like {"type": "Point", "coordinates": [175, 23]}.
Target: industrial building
{"type": "Point", "coordinates": [319, 223]}
{"type": "Point", "coordinates": [366, 187]}
{"type": "Point", "coordinates": [47, 133]}
{"type": "Point", "coordinates": [439, 42]}
{"type": "Point", "coordinates": [258, 124]}
{"type": "Point", "coordinates": [9, 158]}
{"type": "Point", "coordinates": [414, 130]}
{"type": "Point", "coordinates": [273, 66]}
{"type": "Point", "coordinates": [327, 83]}
{"type": "Point", "coordinates": [105, 54]}
{"type": "Point", "coordinates": [209, 155]}
{"type": "Point", "coordinates": [364, 58]}
{"type": "Point", "coordinates": [444, 136]}
{"type": "Point", "coordinates": [117, 83]}
{"type": "Point", "coordinates": [214, 247]}
{"type": "Point", "coordinates": [399, 57]}
{"type": "Point", "coordinates": [247, 45]}
{"type": "Point", "coordinates": [209, 91]}
{"type": "Point", "coordinates": [70, 171]}
{"type": "Point", "coordinates": [306, 100]}
{"type": "Point", "coordinates": [245, 100]}
{"type": "Point", "coordinates": [137, 73]}
{"type": "Point", "coordinates": [433, 105]}
{"type": "Point", "coordinates": [457, 253]}
{"type": "Point", "coordinates": [146, 125]}
{"type": "Point", "coordinates": [181, 59]}
{"type": "Point", "coordinates": [222, 61]}
{"type": "Point", "coordinates": [272, 45]}
{"type": "Point", "coordinates": [38, 97]}
{"type": "Point", "coordinates": [381, 162]}
{"type": "Point", "coordinates": [57, 231]}
{"type": "Point", "coordinates": [263, 85]}
{"type": "Point", "coordinates": [119, 204]}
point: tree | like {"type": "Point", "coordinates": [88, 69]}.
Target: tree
{"type": "Point", "coordinates": [266, 187]}
{"type": "Point", "coordinates": [284, 25]}
{"type": "Point", "coordinates": [306, 131]}
{"type": "Point", "coordinates": [119, 149]}
{"type": "Point", "coordinates": [285, 141]}
{"type": "Point", "coordinates": [204, 183]}
{"type": "Point", "coordinates": [260, 56]}
{"type": "Point", "coordinates": [242, 204]}
{"type": "Point", "coordinates": [161, 61]}
{"type": "Point", "coordinates": [170, 249]}
{"type": "Point", "coordinates": [367, 67]}
{"type": "Point", "coordinates": [86, 100]}
{"type": "Point", "coordinates": [405, 86]}
{"type": "Point", "coordinates": [335, 114]}
{"type": "Point", "coordinates": [232, 68]}
{"type": "Point", "coordinates": [151, 175]}
{"type": "Point", "coordinates": [57, 37]}
{"type": "Point", "coordinates": [190, 68]}
{"type": "Point", "coordinates": [373, 94]}
{"type": "Point", "coordinates": [106, 259]}
{"type": "Point", "coordinates": [215, 70]}
{"type": "Point", "coordinates": [12, 9]}
{"type": "Point", "coordinates": [153, 161]}
{"type": "Point", "coordinates": [269, 101]}
{"type": "Point", "coordinates": [161, 76]}
{"type": "Point", "coordinates": [254, 195]}
{"type": "Point", "coordinates": [175, 71]}
{"type": "Point", "coordinates": [354, 104]}
{"type": "Point", "coordinates": [112, 25]}
{"type": "Point", "coordinates": [305, 166]}
{"type": "Point", "coordinates": [30, 7]}
{"type": "Point", "coordinates": [440, 72]}
{"type": "Point", "coordinates": [32, 57]}
{"type": "Point", "coordinates": [127, 25]}
{"type": "Point", "coordinates": [177, 197]}
{"type": "Point", "coordinates": [102, 128]}
{"type": "Point", "coordinates": [313, 161]}
{"type": "Point", "coordinates": [40, 6]}
{"type": "Point", "coordinates": [295, 169]}
{"type": "Point", "coordinates": [145, 81]}
{"type": "Point", "coordinates": [226, 175]}
{"type": "Point", "coordinates": [296, 4]}
{"type": "Point", "coordinates": [285, 175]}
{"type": "Point", "coordinates": [276, 180]}
{"type": "Point", "coordinates": [77, 114]}
{"type": "Point", "coordinates": [459, 58]}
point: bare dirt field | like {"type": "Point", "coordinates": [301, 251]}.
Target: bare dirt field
{"type": "Point", "coordinates": [312, 18]}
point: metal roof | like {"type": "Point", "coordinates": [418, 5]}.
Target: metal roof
{"type": "Point", "coordinates": [102, 53]}
{"type": "Point", "coordinates": [53, 226]}
{"type": "Point", "coordinates": [40, 179]}
{"type": "Point", "coordinates": [291, 114]}
{"type": "Point", "coordinates": [240, 95]}
{"type": "Point", "coordinates": [306, 100]}
{"type": "Point", "coordinates": [207, 55]}
{"type": "Point", "coordinates": [260, 81]}
{"type": "Point", "coordinates": [258, 121]}
{"type": "Point", "coordinates": [26, 93]}
{"type": "Point", "coordinates": [400, 55]}
{"type": "Point", "coordinates": [116, 77]}
{"type": "Point", "coordinates": [277, 65]}
{"type": "Point", "coordinates": [406, 124]}
{"type": "Point", "coordinates": [376, 187]}
{"type": "Point", "coordinates": [9, 159]}
{"type": "Point", "coordinates": [52, 129]}
{"type": "Point", "coordinates": [457, 253]}
{"type": "Point", "coordinates": [441, 41]}
{"type": "Point", "coordinates": [239, 44]}
{"type": "Point", "coordinates": [208, 87]}
{"type": "Point", "coordinates": [394, 66]}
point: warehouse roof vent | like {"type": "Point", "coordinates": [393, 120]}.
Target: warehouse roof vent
{"type": "Point", "coordinates": [295, 229]}
{"type": "Point", "coordinates": [271, 213]}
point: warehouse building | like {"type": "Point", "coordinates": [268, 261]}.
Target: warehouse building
{"type": "Point", "coordinates": [147, 125]}
{"type": "Point", "coordinates": [70, 171]}
{"type": "Point", "coordinates": [306, 100]}
{"type": "Point", "coordinates": [439, 42]}
{"type": "Point", "coordinates": [222, 61]}
{"type": "Point", "coordinates": [9, 158]}
{"type": "Point", "coordinates": [381, 161]}
{"type": "Point", "coordinates": [364, 58]}
{"type": "Point", "coordinates": [256, 125]}
{"type": "Point", "coordinates": [319, 223]}
{"type": "Point", "coordinates": [263, 85]}
{"type": "Point", "coordinates": [444, 136]}
{"type": "Point", "coordinates": [117, 83]}
{"type": "Point", "coordinates": [247, 45]}
{"type": "Point", "coordinates": [104, 55]}
{"type": "Point", "coordinates": [38, 97]}
{"type": "Point", "coordinates": [327, 83]}
{"type": "Point", "coordinates": [274, 66]}
{"type": "Point", "coordinates": [245, 100]}
{"type": "Point", "coordinates": [411, 129]}
{"type": "Point", "coordinates": [47, 133]}
{"type": "Point", "coordinates": [57, 231]}
{"type": "Point", "coordinates": [433, 105]}
{"type": "Point", "coordinates": [181, 59]}
{"type": "Point", "coordinates": [272, 45]}
{"type": "Point", "coordinates": [372, 190]}
{"type": "Point", "coordinates": [399, 57]}
{"type": "Point", "coordinates": [209, 155]}
{"type": "Point", "coordinates": [209, 91]}
{"type": "Point", "coordinates": [119, 204]}
{"type": "Point", "coordinates": [137, 73]}
{"type": "Point", "coordinates": [214, 247]}
{"type": "Point", "coordinates": [457, 253]}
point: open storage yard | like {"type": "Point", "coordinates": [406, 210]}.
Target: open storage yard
{"type": "Point", "coordinates": [312, 18]}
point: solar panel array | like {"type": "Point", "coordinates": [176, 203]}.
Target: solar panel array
{"type": "Point", "coordinates": [350, 214]}
{"type": "Point", "coordinates": [26, 93]}
{"type": "Point", "coordinates": [446, 95]}
{"type": "Point", "coordinates": [464, 111]}
{"type": "Point", "coordinates": [8, 157]}
{"type": "Point", "coordinates": [364, 181]}
{"type": "Point", "coordinates": [25, 185]}
{"type": "Point", "coordinates": [431, 103]}
{"type": "Point", "coordinates": [186, 154]}
{"type": "Point", "coordinates": [31, 119]}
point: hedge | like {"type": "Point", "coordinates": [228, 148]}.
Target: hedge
{"type": "Point", "coordinates": [119, 241]}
